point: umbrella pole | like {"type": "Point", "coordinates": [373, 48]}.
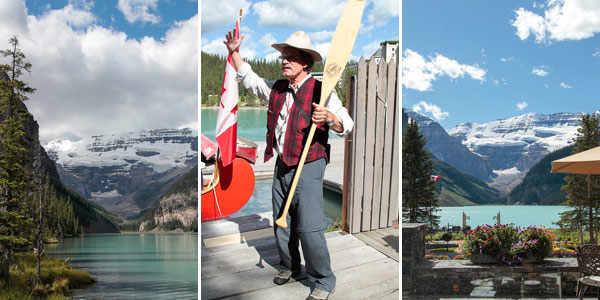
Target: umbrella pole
{"type": "Point", "coordinates": [595, 221]}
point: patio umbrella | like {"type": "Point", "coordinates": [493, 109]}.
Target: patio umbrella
{"type": "Point", "coordinates": [586, 162]}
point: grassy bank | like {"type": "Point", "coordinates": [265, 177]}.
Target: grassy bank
{"type": "Point", "coordinates": [57, 279]}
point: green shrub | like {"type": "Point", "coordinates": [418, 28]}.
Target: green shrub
{"type": "Point", "coordinates": [60, 285]}
{"type": "Point", "coordinates": [451, 249]}
{"type": "Point", "coordinates": [57, 277]}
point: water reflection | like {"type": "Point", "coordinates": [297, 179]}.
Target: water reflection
{"type": "Point", "coordinates": [134, 266]}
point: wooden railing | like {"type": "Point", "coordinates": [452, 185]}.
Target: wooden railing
{"type": "Point", "coordinates": [372, 153]}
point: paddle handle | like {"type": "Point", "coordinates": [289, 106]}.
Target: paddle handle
{"type": "Point", "coordinates": [282, 221]}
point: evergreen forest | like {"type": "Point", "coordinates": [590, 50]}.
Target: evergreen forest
{"type": "Point", "coordinates": [213, 70]}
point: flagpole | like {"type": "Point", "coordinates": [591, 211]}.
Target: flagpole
{"type": "Point", "coordinates": [226, 129]}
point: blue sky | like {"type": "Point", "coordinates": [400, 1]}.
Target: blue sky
{"type": "Point", "coordinates": [272, 21]}
{"type": "Point", "coordinates": [135, 18]}
{"type": "Point", "coordinates": [107, 66]}
{"type": "Point", "coordinates": [478, 61]}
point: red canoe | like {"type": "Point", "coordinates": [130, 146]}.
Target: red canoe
{"type": "Point", "coordinates": [247, 150]}
{"type": "Point", "coordinates": [229, 190]}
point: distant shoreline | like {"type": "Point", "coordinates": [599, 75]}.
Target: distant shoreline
{"type": "Point", "coordinates": [241, 107]}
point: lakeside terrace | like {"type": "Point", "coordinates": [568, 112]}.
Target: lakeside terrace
{"type": "Point", "coordinates": [554, 278]}
{"type": "Point", "coordinates": [239, 259]}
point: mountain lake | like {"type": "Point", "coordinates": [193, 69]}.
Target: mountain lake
{"type": "Point", "coordinates": [134, 266]}
{"type": "Point", "coordinates": [522, 216]}
{"type": "Point", "coordinates": [252, 123]}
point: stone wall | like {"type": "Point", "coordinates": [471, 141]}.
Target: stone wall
{"type": "Point", "coordinates": [462, 277]}
{"type": "Point", "coordinates": [413, 252]}
{"type": "Point", "coordinates": [554, 277]}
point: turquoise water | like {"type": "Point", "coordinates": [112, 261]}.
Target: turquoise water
{"type": "Point", "coordinates": [519, 215]}
{"type": "Point", "coordinates": [261, 202]}
{"type": "Point", "coordinates": [252, 123]}
{"type": "Point", "coordinates": [134, 266]}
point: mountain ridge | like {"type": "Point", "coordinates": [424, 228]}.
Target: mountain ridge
{"type": "Point", "coordinates": [128, 172]}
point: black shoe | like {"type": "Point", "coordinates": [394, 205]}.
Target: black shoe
{"type": "Point", "coordinates": [318, 294]}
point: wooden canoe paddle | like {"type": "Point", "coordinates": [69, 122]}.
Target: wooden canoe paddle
{"type": "Point", "coordinates": [337, 57]}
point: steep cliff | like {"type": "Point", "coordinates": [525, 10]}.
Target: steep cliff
{"type": "Point", "coordinates": [90, 216]}
{"type": "Point", "coordinates": [178, 208]}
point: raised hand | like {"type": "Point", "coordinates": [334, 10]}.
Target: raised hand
{"type": "Point", "coordinates": [231, 42]}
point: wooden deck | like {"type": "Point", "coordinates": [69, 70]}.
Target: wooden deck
{"type": "Point", "coordinates": [239, 260]}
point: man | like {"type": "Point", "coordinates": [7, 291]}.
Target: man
{"type": "Point", "coordinates": [291, 102]}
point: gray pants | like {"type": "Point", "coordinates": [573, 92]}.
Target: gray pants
{"type": "Point", "coordinates": [306, 222]}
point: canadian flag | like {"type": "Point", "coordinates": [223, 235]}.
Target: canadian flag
{"type": "Point", "coordinates": [226, 132]}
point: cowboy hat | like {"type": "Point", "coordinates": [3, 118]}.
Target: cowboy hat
{"type": "Point", "coordinates": [300, 41]}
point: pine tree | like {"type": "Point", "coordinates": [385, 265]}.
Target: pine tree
{"type": "Point", "coordinates": [584, 214]}
{"type": "Point", "coordinates": [419, 203]}
{"type": "Point", "coordinates": [15, 170]}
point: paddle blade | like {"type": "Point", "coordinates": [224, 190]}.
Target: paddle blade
{"type": "Point", "coordinates": [341, 46]}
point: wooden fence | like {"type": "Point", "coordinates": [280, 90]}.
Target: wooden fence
{"type": "Point", "coordinates": [372, 154]}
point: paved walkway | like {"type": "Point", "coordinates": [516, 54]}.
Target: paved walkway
{"type": "Point", "coordinates": [239, 259]}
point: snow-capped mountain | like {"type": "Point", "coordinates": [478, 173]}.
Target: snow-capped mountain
{"type": "Point", "coordinates": [450, 149]}
{"type": "Point", "coordinates": [125, 172]}
{"type": "Point", "coordinates": [514, 145]}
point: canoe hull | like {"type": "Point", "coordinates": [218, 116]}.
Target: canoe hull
{"type": "Point", "coordinates": [235, 187]}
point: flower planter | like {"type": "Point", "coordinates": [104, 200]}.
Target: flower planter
{"type": "Point", "coordinates": [482, 259]}
{"type": "Point", "coordinates": [531, 259]}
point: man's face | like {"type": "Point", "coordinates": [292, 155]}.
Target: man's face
{"type": "Point", "coordinates": [292, 63]}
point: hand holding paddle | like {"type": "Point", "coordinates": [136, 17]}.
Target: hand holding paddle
{"type": "Point", "coordinates": [337, 57]}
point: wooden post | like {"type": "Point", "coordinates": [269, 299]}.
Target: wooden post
{"type": "Point", "coordinates": [380, 103]}
{"type": "Point", "coordinates": [348, 183]}
{"type": "Point", "coordinates": [359, 146]}
{"type": "Point", "coordinates": [369, 145]}
{"type": "Point", "coordinates": [396, 160]}
{"type": "Point", "coordinates": [388, 147]}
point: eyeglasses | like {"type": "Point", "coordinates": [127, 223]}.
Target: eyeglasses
{"type": "Point", "coordinates": [289, 58]}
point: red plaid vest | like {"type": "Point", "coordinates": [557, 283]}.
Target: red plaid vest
{"type": "Point", "coordinates": [297, 126]}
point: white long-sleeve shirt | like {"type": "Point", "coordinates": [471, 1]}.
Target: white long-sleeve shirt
{"type": "Point", "coordinates": [262, 88]}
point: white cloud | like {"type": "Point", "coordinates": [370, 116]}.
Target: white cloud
{"type": "Point", "coordinates": [139, 10]}
{"type": "Point", "coordinates": [562, 20]}
{"type": "Point", "coordinates": [504, 59]}
{"type": "Point", "coordinates": [307, 13]}
{"type": "Point", "coordinates": [539, 72]}
{"type": "Point", "coordinates": [273, 56]}
{"type": "Point", "coordinates": [218, 14]}
{"type": "Point", "coordinates": [521, 105]}
{"type": "Point", "coordinates": [322, 48]}
{"type": "Point", "coordinates": [546, 86]}
{"type": "Point", "coordinates": [565, 86]}
{"type": "Point", "coordinates": [92, 80]}
{"type": "Point", "coordinates": [370, 48]}
{"type": "Point", "coordinates": [319, 36]}
{"type": "Point", "coordinates": [482, 52]}
{"type": "Point", "coordinates": [418, 73]}
{"type": "Point", "coordinates": [267, 40]}
{"type": "Point", "coordinates": [498, 82]}
{"type": "Point", "coordinates": [14, 17]}
{"type": "Point", "coordinates": [382, 11]}
{"type": "Point", "coordinates": [217, 47]}
{"type": "Point", "coordinates": [433, 109]}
